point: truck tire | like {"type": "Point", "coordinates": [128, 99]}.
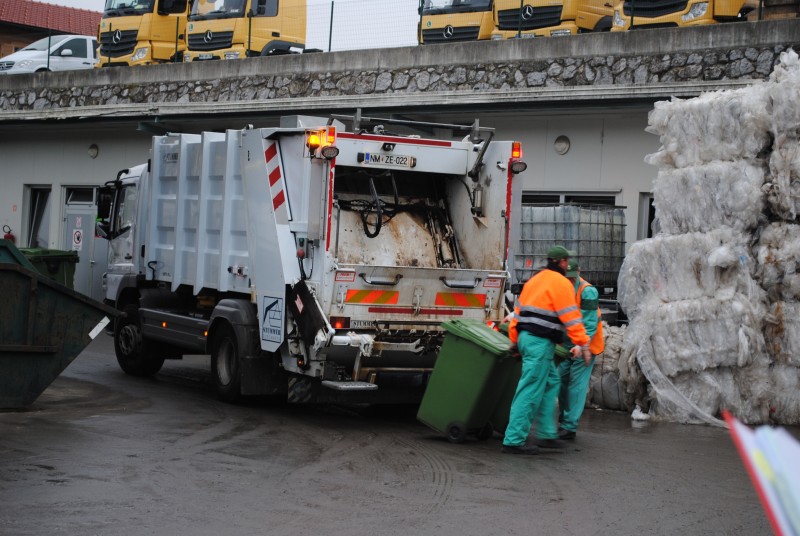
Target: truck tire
{"type": "Point", "coordinates": [134, 354]}
{"type": "Point", "coordinates": [226, 364]}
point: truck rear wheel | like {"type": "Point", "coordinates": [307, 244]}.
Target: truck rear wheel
{"type": "Point", "coordinates": [134, 354]}
{"type": "Point", "coordinates": [226, 364]}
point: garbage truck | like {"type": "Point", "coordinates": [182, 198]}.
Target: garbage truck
{"type": "Point", "coordinates": [306, 260]}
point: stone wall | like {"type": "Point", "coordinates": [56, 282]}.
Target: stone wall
{"type": "Point", "coordinates": [415, 71]}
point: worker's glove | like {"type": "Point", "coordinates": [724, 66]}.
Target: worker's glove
{"type": "Point", "coordinates": [587, 356]}
{"type": "Point", "coordinates": [576, 351]}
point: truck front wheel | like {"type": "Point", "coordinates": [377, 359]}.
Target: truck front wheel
{"type": "Point", "coordinates": [133, 351]}
{"type": "Point", "coordinates": [226, 364]}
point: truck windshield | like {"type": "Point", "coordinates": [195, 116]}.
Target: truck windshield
{"type": "Point", "coordinates": [217, 9]}
{"type": "Point", "coordinates": [41, 44]}
{"type": "Point", "coordinates": [441, 7]}
{"type": "Point", "coordinates": [118, 8]}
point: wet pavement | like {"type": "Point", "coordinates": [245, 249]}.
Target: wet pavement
{"type": "Point", "coordinates": [102, 453]}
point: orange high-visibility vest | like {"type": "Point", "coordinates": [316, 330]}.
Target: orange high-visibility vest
{"type": "Point", "coordinates": [547, 308]}
{"type": "Point", "coordinates": [597, 344]}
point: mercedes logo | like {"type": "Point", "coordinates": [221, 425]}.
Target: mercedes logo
{"type": "Point", "coordinates": [448, 32]}
{"type": "Point", "coordinates": [208, 36]}
{"type": "Point", "coordinates": [116, 37]}
{"type": "Point", "coordinates": [527, 12]}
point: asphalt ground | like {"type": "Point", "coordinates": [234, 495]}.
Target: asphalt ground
{"type": "Point", "coordinates": [102, 453]}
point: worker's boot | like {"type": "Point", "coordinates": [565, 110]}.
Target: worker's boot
{"type": "Point", "coordinates": [549, 444]}
{"type": "Point", "coordinates": [566, 435]}
{"type": "Point", "coordinates": [522, 449]}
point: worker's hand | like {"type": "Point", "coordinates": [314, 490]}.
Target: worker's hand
{"type": "Point", "coordinates": [576, 351]}
{"type": "Point", "coordinates": [587, 355]}
{"type": "Point", "coordinates": [514, 352]}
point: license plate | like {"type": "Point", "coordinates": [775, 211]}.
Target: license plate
{"type": "Point", "coordinates": [393, 160]}
{"type": "Point", "coordinates": [205, 56]}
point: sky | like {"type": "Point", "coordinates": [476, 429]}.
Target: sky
{"type": "Point", "coordinates": [357, 24]}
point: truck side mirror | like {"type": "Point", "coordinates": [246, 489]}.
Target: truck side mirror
{"type": "Point", "coordinates": [67, 52]}
{"type": "Point", "coordinates": [105, 198]}
{"type": "Point", "coordinates": [102, 229]}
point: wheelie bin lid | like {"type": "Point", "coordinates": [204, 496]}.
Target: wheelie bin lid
{"type": "Point", "coordinates": [43, 254]}
{"type": "Point", "coordinates": [476, 332]}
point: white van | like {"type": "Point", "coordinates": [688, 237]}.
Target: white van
{"type": "Point", "coordinates": [54, 53]}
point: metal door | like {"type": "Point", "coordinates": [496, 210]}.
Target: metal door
{"type": "Point", "coordinates": [79, 218]}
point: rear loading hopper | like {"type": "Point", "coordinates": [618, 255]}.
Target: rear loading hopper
{"type": "Point", "coordinates": [44, 327]}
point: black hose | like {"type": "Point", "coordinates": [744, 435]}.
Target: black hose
{"type": "Point", "coordinates": [378, 212]}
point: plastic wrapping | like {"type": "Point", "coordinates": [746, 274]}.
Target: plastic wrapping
{"type": "Point", "coordinates": [694, 335]}
{"type": "Point", "coordinates": [722, 125]}
{"type": "Point", "coordinates": [782, 333]}
{"type": "Point", "coordinates": [689, 266]}
{"type": "Point", "coordinates": [706, 197]}
{"type": "Point", "coordinates": [782, 189]}
{"type": "Point", "coordinates": [783, 92]}
{"type": "Point", "coordinates": [777, 256]}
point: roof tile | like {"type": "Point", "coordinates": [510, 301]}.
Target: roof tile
{"type": "Point", "coordinates": [51, 17]}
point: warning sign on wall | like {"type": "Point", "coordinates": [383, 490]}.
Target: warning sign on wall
{"type": "Point", "coordinates": [77, 240]}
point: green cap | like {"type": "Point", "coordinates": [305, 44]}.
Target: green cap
{"type": "Point", "coordinates": [558, 253]}
{"type": "Point", "coordinates": [572, 268]}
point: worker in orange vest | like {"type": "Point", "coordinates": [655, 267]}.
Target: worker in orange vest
{"type": "Point", "coordinates": [574, 373]}
{"type": "Point", "coordinates": [546, 309]}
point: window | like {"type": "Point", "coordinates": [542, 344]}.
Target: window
{"type": "Point", "coordinates": [265, 8]}
{"type": "Point", "coordinates": [648, 226]}
{"type": "Point", "coordinates": [536, 198]}
{"type": "Point", "coordinates": [80, 196]}
{"type": "Point", "coordinates": [77, 46]}
{"type": "Point", "coordinates": [39, 218]}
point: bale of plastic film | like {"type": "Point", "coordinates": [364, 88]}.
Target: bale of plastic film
{"type": "Point", "coordinates": [784, 93]}
{"type": "Point", "coordinates": [782, 333]}
{"type": "Point", "coordinates": [633, 381]}
{"type": "Point", "coordinates": [720, 125]}
{"type": "Point", "coordinates": [605, 390]}
{"type": "Point", "coordinates": [668, 402]}
{"type": "Point", "coordinates": [708, 389]}
{"type": "Point", "coordinates": [694, 335]}
{"type": "Point", "coordinates": [782, 187]}
{"type": "Point", "coordinates": [784, 394]}
{"type": "Point", "coordinates": [669, 268]}
{"type": "Point", "coordinates": [777, 256]}
{"type": "Point", "coordinates": [708, 196]}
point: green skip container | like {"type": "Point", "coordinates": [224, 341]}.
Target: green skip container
{"type": "Point", "coordinates": [56, 264]}
{"type": "Point", "coordinates": [468, 380]}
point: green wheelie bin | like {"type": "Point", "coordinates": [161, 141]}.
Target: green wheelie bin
{"type": "Point", "coordinates": [56, 264]}
{"type": "Point", "coordinates": [467, 381]}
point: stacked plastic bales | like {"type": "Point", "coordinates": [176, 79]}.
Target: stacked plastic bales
{"type": "Point", "coordinates": [714, 298]}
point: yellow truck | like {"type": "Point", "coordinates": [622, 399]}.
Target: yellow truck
{"type": "Point", "coordinates": [449, 21]}
{"type": "Point", "coordinates": [233, 29]}
{"type": "Point", "coordinates": [141, 32]}
{"type": "Point", "coordinates": [640, 14]}
{"type": "Point", "coordinates": [545, 18]}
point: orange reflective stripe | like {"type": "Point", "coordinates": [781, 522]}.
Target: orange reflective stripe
{"type": "Point", "coordinates": [372, 296]}
{"type": "Point", "coordinates": [460, 299]}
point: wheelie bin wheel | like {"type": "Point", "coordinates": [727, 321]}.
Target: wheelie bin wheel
{"type": "Point", "coordinates": [456, 432]}
{"type": "Point", "coordinates": [486, 432]}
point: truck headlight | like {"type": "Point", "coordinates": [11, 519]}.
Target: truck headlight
{"type": "Point", "coordinates": [618, 19]}
{"type": "Point", "coordinates": [24, 63]}
{"type": "Point", "coordinates": [187, 58]}
{"type": "Point", "coordinates": [231, 55]}
{"type": "Point", "coordinates": [696, 11]}
{"type": "Point", "coordinates": [139, 54]}
{"type": "Point", "coordinates": [560, 32]}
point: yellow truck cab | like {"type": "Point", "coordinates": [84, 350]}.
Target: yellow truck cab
{"type": "Point", "coordinates": [141, 32]}
{"type": "Point", "coordinates": [546, 18]}
{"type": "Point", "coordinates": [641, 14]}
{"type": "Point", "coordinates": [232, 29]}
{"type": "Point", "coordinates": [449, 21]}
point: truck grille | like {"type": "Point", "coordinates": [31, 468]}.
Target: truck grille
{"type": "Point", "coordinates": [122, 45]}
{"type": "Point", "coordinates": [652, 8]}
{"type": "Point", "coordinates": [533, 18]}
{"type": "Point", "coordinates": [210, 40]}
{"type": "Point", "coordinates": [440, 35]}
{"type": "Point", "coordinates": [6, 65]}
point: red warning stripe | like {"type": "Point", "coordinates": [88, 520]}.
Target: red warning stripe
{"type": "Point", "coordinates": [278, 200]}
{"type": "Point", "coordinates": [460, 299]}
{"type": "Point", "coordinates": [372, 296]}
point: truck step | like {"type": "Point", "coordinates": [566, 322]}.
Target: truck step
{"type": "Point", "coordinates": [349, 386]}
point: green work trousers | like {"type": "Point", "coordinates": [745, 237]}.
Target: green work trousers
{"type": "Point", "coordinates": [536, 393]}
{"type": "Point", "coordinates": [575, 376]}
